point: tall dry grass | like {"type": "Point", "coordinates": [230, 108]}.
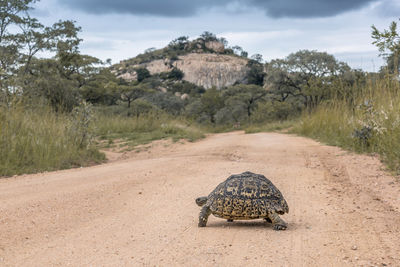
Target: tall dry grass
{"type": "Point", "coordinates": [367, 122]}
{"type": "Point", "coordinates": [38, 139]}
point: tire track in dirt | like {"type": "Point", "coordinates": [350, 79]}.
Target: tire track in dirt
{"type": "Point", "coordinates": [362, 202]}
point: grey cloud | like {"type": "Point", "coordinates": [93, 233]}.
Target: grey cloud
{"type": "Point", "coordinates": [309, 8]}
{"type": "Point", "coordinates": [171, 8]}
{"type": "Point", "coordinates": [184, 8]}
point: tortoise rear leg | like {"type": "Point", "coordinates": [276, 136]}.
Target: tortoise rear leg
{"type": "Point", "coordinates": [203, 216]}
{"type": "Point", "coordinates": [277, 222]}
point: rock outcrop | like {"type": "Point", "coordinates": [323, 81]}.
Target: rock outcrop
{"type": "Point", "coordinates": [215, 46]}
{"type": "Point", "coordinates": [203, 69]}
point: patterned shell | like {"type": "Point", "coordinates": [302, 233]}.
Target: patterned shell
{"type": "Point", "coordinates": [246, 196]}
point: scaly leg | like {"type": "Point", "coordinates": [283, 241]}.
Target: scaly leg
{"type": "Point", "coordinates": [203, 216]}
{"type": "Point", "coordinates": [268, 220]}
{"type": "Point", "coordinates": [277, 222]}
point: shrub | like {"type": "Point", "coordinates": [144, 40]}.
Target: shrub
{"type": "Point", "coordinates": [142, 73]}
{"type": "Point", "coordinates": [176, 74]}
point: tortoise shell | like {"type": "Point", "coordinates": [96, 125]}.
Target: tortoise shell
{"type": "Point", "coordinates": [246, 196]}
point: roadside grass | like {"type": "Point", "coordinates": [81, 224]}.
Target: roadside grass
{"type": "Point", "coordinates": [369, 124]}
{"type": "Point", "coordinates": [133, 131]}
{"type": "Point", "coordinates": [37, 139]}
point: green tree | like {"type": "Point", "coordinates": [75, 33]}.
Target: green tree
{"type": "Point", "coordinates": [306, 74]}
{"type": "Point", "coordinates": [248, 95]}
{"type": "Point", "coordinates": [166, 101]}
{"type": "Point", "coordinates": [223, 41]}
{"type": "Point", "coordinates": [211, 102]}
{"type": "Point", "coordinates": [388, 42]}
{"type": "Point", "coordinates": [57, 79]}
{"type": "Point", "coordinates": [101, 88]}
{"type": "Point", "coordinates": [179, 43]}
{"type": "Point", "coordinates": [258, 58]}
{"type": "Point", "coordinates": [234, 111]}
{"type": "Point", "coordinates": [131, 92]}
{"type": "Point", "coordinates": [47, 82]}
{"type": "Point", "coordinates": [11, 15]}
{"type": "Point", "coordinates": [208, 36]}
{"type": "Point", "coordinates": [255, 74]}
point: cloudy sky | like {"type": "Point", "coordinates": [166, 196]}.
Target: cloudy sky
{"type": "Point", "coordinates": [121, 29]}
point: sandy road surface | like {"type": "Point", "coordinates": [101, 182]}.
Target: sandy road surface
{"type": "Point", "coordinates": [140, 211]}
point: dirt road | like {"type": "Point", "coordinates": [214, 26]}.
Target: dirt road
{"type": "Point", "coordinates": [140, 211]}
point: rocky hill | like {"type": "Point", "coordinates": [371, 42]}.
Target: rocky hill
{"type": "Point", "coordinates": [203, 63]}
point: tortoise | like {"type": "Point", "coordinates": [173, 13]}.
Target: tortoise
{"type": "Point", "coordinates": [244, 196]}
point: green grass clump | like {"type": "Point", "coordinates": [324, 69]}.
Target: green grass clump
{"type": "Point", "coordinates": [369, 123]}
{"type": "Point", "coordinates": [38, 139]}
{"type": "Point", "coordinates": [330, 124]}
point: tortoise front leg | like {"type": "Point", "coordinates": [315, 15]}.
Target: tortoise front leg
{"type": "Point", "coordinates": [203, 216]}
{"type": "Point", "coordinates": [277, 222]}
{"type": "Point", "coordinates": [268, 220]}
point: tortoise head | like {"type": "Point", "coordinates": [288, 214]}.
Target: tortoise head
{"type": "Point", "coordinates": [201, 201]}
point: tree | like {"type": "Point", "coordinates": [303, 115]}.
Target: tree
{"type": "Point", "coordinates": [223, 41]}
{"type": "Point", "coordinates": [248, 95]}
{"type": "Point", "coordinates": [257, 57]}
{"type": "Point", "coordinates": [194, 109]}
{"type": "Point", "coordinates": [166, 101]}
{"type": "Point", "coordinates": [244, 54]}
{"type": "Point", "coordinates": [233, 112]}
{"type": "Point", "coordinates": [179, 43]}
{"type": "Point", "coordinates": [101, 88]}
{"type": "Point", "coordinates": [306, 74]}
{"type": "Point", "coordinates": [10, 48]}
{"type": "Point", "coordinates": [47, 82]}
{"type": "Point", "coordinates": [131, 92]}
{"type": "Point", "coordinates": [208, 36]}
{"type": "Point", "coordinates": [22, 72]}
{"type": "Point", "coordinates": [255, 74]}
{"type": "Point", "coordinates": [388, 42]}
{"type": "Point", "coordinates": [67, 67]}
{"type": "Point", "coordinates": [211, 102]}
{"type": "Point", "coordinates": [239, 51]}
